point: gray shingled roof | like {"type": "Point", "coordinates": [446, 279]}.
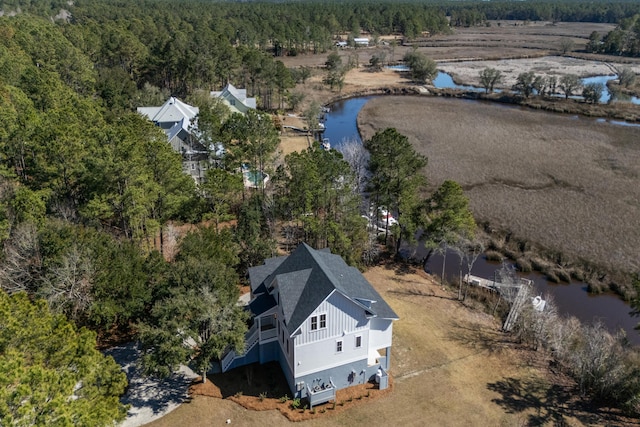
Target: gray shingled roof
{"type": "Point", "coordinates": [240, 95]}
{"type": "Point", "coordinates": [259, 273]}
{"type": "Point", "coordinates": [172, 111]}
{"type": "Point", "coordinates": [308, 276]}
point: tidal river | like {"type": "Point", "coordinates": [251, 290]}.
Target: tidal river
{"type": "Point", "coordinates": [571, 299]}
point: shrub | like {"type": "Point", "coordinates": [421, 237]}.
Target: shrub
{"type": "Point", "coordinates": [524, 265]}
{"type": "Point", "coordinates": [563, 275]}
{"type": "Point", "coordinates": [494, 256]}
{"type": "Point", "coordinates": [262, 396]}
{"type": "Point", "coordinates": [284, 398]}
{"type": "Point", "coordinates": [510, 254]}
{"type": "Point", "coordinates": [239, 393]}
{"type": "Point", "coordinates": [295, 403]}
{"type": "Point", "coordinates": [577, 274]}
{"type": "Point", "coordinates": [495, 245]}
{"type": "Point", "coordinates": [594, 287]}
{"type": "Point", "coordinates": [538, 264]}
{"type": "Point", "coordinates": [552, 276]}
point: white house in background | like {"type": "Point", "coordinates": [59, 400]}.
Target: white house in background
{"type": "Point", "coordinates": [175, 118]}
{"type": "Point", "coordinates": [361, 41]}
{"type": "Point", "coordinates": [235, 98]}
{"type": "Point", "coordinates": [321, 320]}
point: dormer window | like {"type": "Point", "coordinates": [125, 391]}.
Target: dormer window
{"type": "Point", "coordinates": [318, 322]}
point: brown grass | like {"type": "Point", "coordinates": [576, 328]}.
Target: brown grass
{"type": "Point", "coordinates": [570, 184]}
{"type": "Point", "coordinates": [450, 366]}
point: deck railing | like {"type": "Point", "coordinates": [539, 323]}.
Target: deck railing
{"type": "Point", "coordinates": [317, 394]}
{"type": "Point", "coordinates": [383, 380]}
{"type": "Point", "coordinates": [250, 340]}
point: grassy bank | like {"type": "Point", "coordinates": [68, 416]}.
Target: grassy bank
{"type": "Point", "coordinates": [560, 188]}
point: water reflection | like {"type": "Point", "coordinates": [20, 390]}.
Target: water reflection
{"type": "Point", "coordinates": [570, 298]}
{"type": "Point", "coordinates": [445, 81]}
{"type": "Point", "coordinates": [340, 122]}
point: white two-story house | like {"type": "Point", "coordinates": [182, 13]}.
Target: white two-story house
{"type": "Point", "coordinates": [321, 320]}
{"type": "Point", "coordinates": [236, 99]}
{"type": "Point", "coordinates": [177, 119]}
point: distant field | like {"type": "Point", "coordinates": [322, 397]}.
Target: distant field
{"type": "Point", "coordinates": [570, 184]}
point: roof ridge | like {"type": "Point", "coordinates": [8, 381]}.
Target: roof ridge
{"type": "Point", "coordinates": [324, 268]}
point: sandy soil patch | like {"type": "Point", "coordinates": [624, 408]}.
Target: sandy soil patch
{"type": "Point", "coordinates": [569, 184]}
{"type": "Point", "coordinates": [291, 139]}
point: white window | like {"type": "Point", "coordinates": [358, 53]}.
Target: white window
{"type": "Point", "coordinates": [339, 346]}
{"type": "Point", "coordinates": [358, 341]}
{"type": "Point", "coordinates": [315, 325]}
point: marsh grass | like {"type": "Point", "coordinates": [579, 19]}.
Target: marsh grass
{"type": "Point", "coordinates": [569, 184]}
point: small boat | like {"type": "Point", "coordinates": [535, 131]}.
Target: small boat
{"type": "Point", "coordinates": [325, 144]}
{"type": "Point", "coordinates": [385, 219]}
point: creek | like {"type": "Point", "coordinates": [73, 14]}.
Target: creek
{"type": "Point", "coordinates": [445, 81]}
{"type": "Point", "coordinates": [571, 299]}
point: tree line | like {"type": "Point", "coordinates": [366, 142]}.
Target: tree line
{"type": "Point", "coordinates": [623, 40]}
{"type": "Point", "coordinates": [89, 190]}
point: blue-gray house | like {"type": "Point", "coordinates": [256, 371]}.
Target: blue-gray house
{"type": "Point", "coordinates": [321, 320]}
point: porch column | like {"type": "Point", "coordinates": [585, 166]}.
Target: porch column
{"type": "Point", "coordinates": [387, 360]}
{"type": "Point", "coordinates": [259, 324]}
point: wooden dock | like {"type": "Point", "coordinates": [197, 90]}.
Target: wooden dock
{"type": "Point", "coordinates": [492, 285]}
{"type": "Point", "coordinates": [514, 293]}
{"type": "Point", "coordinates": [480, 282]}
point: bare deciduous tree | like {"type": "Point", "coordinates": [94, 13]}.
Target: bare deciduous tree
{"type": "Point", "coordinates": [68, 286]}
{"type": "Point", "coordinates": [468, 250]}
{"type": "Point", "coordinates": [22, 260]}
{"type": "Point", "coordinates": [536, 320]}
{"type": "Point", "coordinates": [566, 45]}
{"type": "Point", "coordinates": [357, 156]}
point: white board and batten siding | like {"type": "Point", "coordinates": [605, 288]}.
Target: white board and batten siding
{"type": "Point", "coordinates": [380, 333]}
{"type": "Point", "coordinates": [316, 350]}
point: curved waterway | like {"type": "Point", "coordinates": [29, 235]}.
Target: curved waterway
{"type": "Point", "coordinates": [571, 299]}
{"type": "Point", "coordinates": [445, 81]}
